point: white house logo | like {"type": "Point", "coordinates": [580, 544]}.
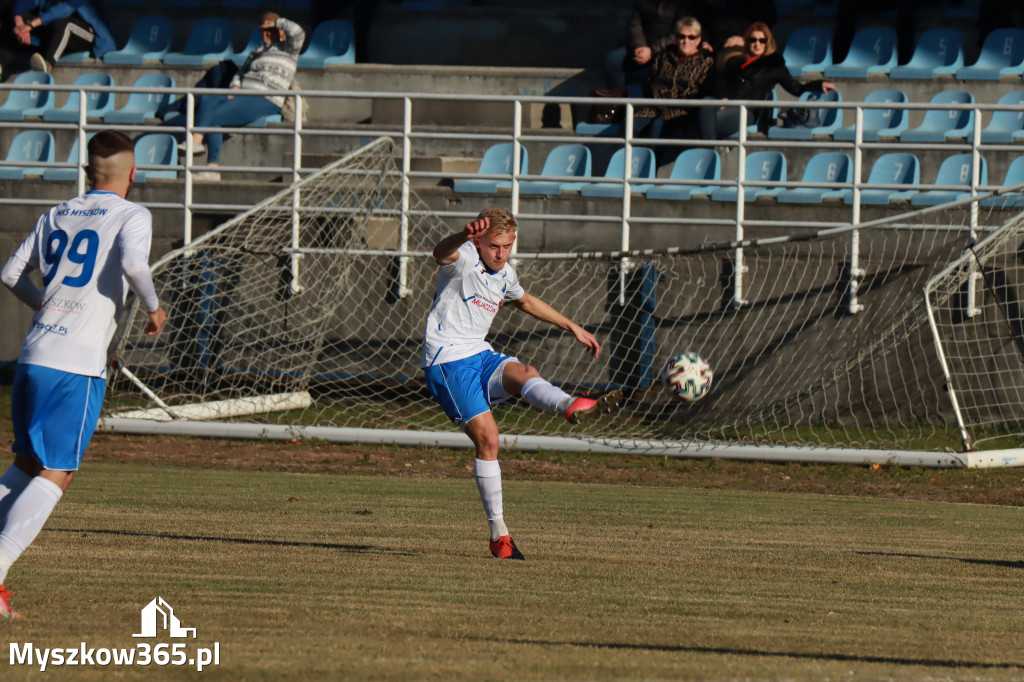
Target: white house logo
{"type": "Point", "coordinates": [158, 615]}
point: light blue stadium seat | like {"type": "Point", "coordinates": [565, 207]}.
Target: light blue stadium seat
{"type": "Point", "coordinates": [74, 57]}
{"type": "Point", "coordinates": [497, 160]}
{"type": "Point", "coordinates": [1004, 126]}
{"type": "Point", "coordinates": [67, 174]}
{"type": "Point", "coordinates": [331, 43]}
{"type": "Point", "coordinates": [939, 51]}
{"type": "Point", "coordinates": [830, 119]}
{"type": "Point", "coordinates": [615, 129]}
{"type": "Point", "coordinates": [156, 149]}
{"type": "Point", "coordinates": [897, 168]}
{"type": "Point", "coordinates": [29, 145]}
{"type": "Point", "coordinates": [209, 41]}
{"type": "Point", "coordinates": [262, 121]}
{"type": "Point", "coordinates": [954, 170]}
{"type": "Point", "coordinates": [22, 103]}
{"type": "Point", "coordinates": [643, 167]}
{"type": "Point", "coordinates": [564, 160]}
{"type": "Point", "coordinates": [1002, 54]}
{"type": "Point", "coordinates": [833, 167]}
{"type": "Point", "coordinates": [764, 166]}
{"type": "Point", "coordinates": [808, 50]}
{"type": "Point", "coordinates": [873, 51]}
{"type": "Point", "coordinates": [255, 40]}
{"type": "Point", "coordinates": [940, 125]}
{"type": "Point", "coordinates": [96, 103]}
{"type": "Point", "coordinates": [696, 164]}
{"type": "Point", "coordinates": [1014, 176]}
{"type": "Point", "coordinates": [878, 122]}
{"type": "Point", "coordinates": [150, 38]}
{"type": "Point", "coordinates": [142, 105]}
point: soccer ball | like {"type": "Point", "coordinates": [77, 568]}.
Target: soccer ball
{"type": "Point", "coordinates": [687, 376]}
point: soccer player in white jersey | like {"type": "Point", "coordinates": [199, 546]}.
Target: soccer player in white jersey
{"type": "Point", "coordinates": [88, 251]}
{"type": "Point", "coordinates": [466, 376]}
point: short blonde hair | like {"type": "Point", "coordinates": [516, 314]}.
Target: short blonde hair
{"type": "Point", "coordinates": [690, 23]}
{"type": "Point", "coordinates": [502, 221]}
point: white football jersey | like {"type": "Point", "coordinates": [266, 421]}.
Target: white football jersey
{"type": "Point", "coordinates": [466, 299]}
{"type": "Point", "coordinates": [85, 248]}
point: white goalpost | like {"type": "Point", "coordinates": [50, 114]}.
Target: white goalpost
{"type": "Point", "coordinates": [302, 318]}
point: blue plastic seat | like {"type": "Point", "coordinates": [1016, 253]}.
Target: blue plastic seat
{"type": "Point", "coordinates": [808, 50]}
{"type": "Point", "coordinates": [209, 41]}
{"type": "Point", "coordinates": [696, 164]}
{"type": "Point", "coordinates": [1014, 176]}
{"type": "Point", "coordinates": [497, 160]}
{"type": "Point", "coordinates": [939, 51]}
{"type": "Point", "coordinates": [96, 103]}
{"type": "Point", "coordinates": [67, 174]}
{"type": "Point", "coordinates": [940, 125]}
{"type": "Point", "coordinates": [156, 149]}
{"type": "Point", "coordinates": [830, 119]}
{"type": "Point", "coordinates": [643, 167]}
{"type": "Point", "coordinates": [35, 146]}
{"type": "Point", "coordinates": [22, 103]}
{"type": "Point", "coordinates": [1002, 54]}
{"type": "Point", "coordinates": [615, 129]}
{"type": "Point", "coordinates": [150, 38]}
{"type": "Point", "coordinates": [331, 43]}
{"type": "Point", "coordinates": [897, 168]}
{"type": "Point", "coordinates": [142, 105]}
{"type": "Point", "coordinates": [954, 170]}
{"type": "Point", "coordinates": [873, 51]}
{"type": "Point", "coordinates": [832, 167]}
{"type": "Point", "coordinates": [565, 160]}
{"type": "Point", "coordinates": [767, 166]}
{"type": "Point", "coordinates": [1004, 126]}
{"type": "Point", "coordinates": [878, 122]}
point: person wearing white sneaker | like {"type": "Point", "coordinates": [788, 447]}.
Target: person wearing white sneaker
{"type": "Point", "coordinates": [89, 250]}
{"type": "Point", "coordinates": [466, 376]}
{"type": "Point", "coordinates": [60, 28]}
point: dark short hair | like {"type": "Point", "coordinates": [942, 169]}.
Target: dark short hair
{"type": "Point", "coordinates": [109, 143]}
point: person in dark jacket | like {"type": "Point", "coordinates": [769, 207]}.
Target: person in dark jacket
{"type": "Point", "coordinates": [649, 33]}
{"type": "Point", "coordinates": [751, 75]}
{"type": "Point", "coordinates": [61, 27]}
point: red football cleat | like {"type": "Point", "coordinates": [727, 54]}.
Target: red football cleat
{"type": "Point", "coordinates": [584, 409]}
{"type": "Point", "coordinates": [5, 604]}
{"type": "Point", "coordinates": [504, 548]}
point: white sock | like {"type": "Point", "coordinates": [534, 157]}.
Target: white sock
{"type": "Point", "coordinates": [488, 482]}
{"type": "Point", "coordinates": [25, 519]}
{"type": "Point", "coordinates": [12, 483]}
{"type": "Point", "coordinates": [541, 393]}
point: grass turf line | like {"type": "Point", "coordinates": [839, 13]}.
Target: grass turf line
{"type": "Point", "coordinates": [382, 577]}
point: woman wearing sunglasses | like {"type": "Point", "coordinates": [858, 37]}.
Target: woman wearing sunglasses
{"type": "Point", "coordinates": [751, 74]}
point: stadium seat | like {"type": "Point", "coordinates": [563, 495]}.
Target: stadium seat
{"type": "Point", "coordinates": [22, 103]}
{"type": "Point", "coordinates": [156, 149]}
{"type": "Point", "coordinates": [955, 170]}
{"type": "Point", "coordinates": [331, 43]}
{"type": "Point", "coordinates": [67, 174]}
{"type": "Point", "coordinates": [939, 51]}
{"type": "Point", "coordinates": [1014, 176]}
{"type": "Point", "coordinates": [255, 40]}
{"type": "Point", "coordinates": [897, 168]}
{"type": "Point", "coordinates": [830, 119]}
{"type": "Point", "coordinates": [497, 161]}
{"type": "Point", "coordinates": [615, 129]}
{"type": "Point", "coordinates": [833, 167]}
{"type": "Point", "coordinates": [150, 38]}
{"type": "Point", "coordinates": [29, 145]}
{"type": "Point", "coordinates": [1004, 126]}
{"type": "Point", "coordinates": [761, 166]}
{"type": "Point", "coordinates": [74, 57]}
{"type": "Point", "coordinates": [96, 103]}
{"type": "Point", "coordinates": [878, 122]}
{"type": "Point", "coordinates": [643, 167]}
{"type": "Point", "coordinates": [873, 51]}
{"type": "Point", "coordinates": [1002, 54]}
{"type": "Point", "coordinates": [142, 105]}
{"type": "Point", "coordinates": [564, 160]}
{"type": "Point", "coordinates": [701, 163]}
{"type": "Point", "coordinates": [209, 41]}
{"type": "Point", "coordinates": [940, 125]}
{"type": "Point", "coordinates": [808, 50]}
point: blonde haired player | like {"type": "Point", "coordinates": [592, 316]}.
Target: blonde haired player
{"type": "Point", "coordinates": [466, 376]}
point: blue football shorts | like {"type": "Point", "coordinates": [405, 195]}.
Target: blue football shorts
{"type": "Point", "coordinates": [468, 387]}
{"type": "Point", "coordinates": [54, 414]}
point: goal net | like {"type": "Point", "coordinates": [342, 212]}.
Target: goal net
{"type": "Point", "coordinates": [308, 311]}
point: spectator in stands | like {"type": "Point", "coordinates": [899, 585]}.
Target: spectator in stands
{"type": "Point", "coordinates": [60, 27]}
{"type": "Point", "coordinates": [271, 66]}
{"type": "Point", "coordinates": [751, 75]}
{"type": "Point", "coordinates": [650, 32]}
{"type": "Point", "coordinates": [683, 71]}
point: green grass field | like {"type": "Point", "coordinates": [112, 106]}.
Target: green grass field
{"type": "Point", "coordinates": [387, 577]}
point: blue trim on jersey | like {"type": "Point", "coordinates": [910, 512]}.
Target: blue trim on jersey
{"type": "Point", "coordinates": [101, 191]}
{"type": "Point", "coordinates": [460, 386]}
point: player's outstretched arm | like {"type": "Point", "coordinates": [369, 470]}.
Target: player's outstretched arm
{"type": "Point", "coordinates": [535, 307]}
{"type": "Point", "coordinates": [447, 250]}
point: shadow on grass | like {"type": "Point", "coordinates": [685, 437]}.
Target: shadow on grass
{"type": "Point", "coordinates": [981, 562]}
{"type": "Point", "coordinates": [729, 651]}
{"type": "Point", "coordinates": [355, 549]}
